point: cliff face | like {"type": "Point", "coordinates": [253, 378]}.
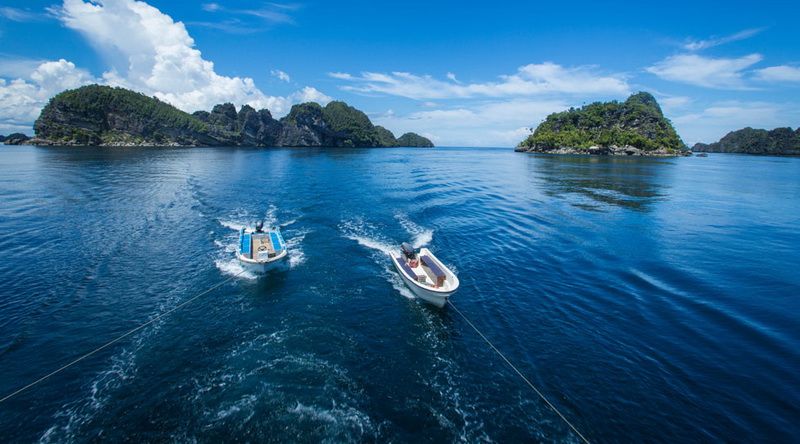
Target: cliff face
{"type": "Point", "coordinates": [634, 127]}
{"type": "Point", "coordinates": [780, 141]}
{"type": "Point", "coordinates": [101, 115]}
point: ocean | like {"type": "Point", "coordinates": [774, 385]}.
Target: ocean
{"type": "Point", "coordinates": [648, 299]}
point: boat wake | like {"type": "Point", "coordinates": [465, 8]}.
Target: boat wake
{"type": "Point", "coordinates": [369, 235]}
{"type": "Point", "coordinates": [226, 261]}
{"type": "Point", "coordinates": [420, 236]}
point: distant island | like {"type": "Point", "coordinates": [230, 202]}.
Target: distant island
{"type": "Point", "coordinates": [634, 127]}
{"type": "Point", "coordinates": [106, 116]}
{"type": "Point", "coordinates": [776, 142]}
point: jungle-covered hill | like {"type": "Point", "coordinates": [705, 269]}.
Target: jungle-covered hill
{"type": "Point", "coordinates": [776, 142]}
{"type": "Point", "coordinates": [102, 115]}
{"type": "Point", "coordinates": [636, 126]}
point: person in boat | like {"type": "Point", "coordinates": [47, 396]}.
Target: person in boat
{"type": "Point", "coordinates": [411, 256]}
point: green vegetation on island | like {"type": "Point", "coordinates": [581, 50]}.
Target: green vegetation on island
{"type": "Point", "coordinates": [102, 115]}
{"type": "Point", "coordinates": [776, 142]}
{"type": "Point", "coordinates": [636, 126]}
{"type": "Point", "coordinates": [413, 139]}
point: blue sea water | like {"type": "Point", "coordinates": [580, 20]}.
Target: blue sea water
{"type": "Point", "coordinates": [650, 300]}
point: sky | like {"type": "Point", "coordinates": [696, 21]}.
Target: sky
{"type": "Point", "coordinates": [460, 73]}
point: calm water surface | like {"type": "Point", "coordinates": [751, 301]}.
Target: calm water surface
{"type": "Point", "coordinates": [651, 300]}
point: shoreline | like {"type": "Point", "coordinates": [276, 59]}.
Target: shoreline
{"type": "Point", "coordinates": [610, 151]}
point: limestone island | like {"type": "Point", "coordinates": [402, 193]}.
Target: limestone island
{"type": "Point", "coordinates": [776, 142]}
{"type": "Point", "coordinates": [636, 127]}
{"type": "Point", "coordinates": [105, 116]}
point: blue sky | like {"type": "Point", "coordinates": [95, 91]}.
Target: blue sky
{"type": "Point", "coordinates": [460, 73]}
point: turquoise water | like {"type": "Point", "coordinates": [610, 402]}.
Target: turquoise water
{"type": "Point", "coordinates": [648, 299]}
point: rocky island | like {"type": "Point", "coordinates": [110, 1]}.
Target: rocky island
{"type": "Point", "coordinates": [776, 142]}
{"type": "Point", "coordinates": [106, 116]}
{"type": "Point", "coordinates": [634, 127]}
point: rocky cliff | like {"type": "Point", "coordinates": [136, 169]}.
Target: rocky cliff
{"type": "Point", "coordinates": [634, 127]}
{"type": "Point", "coordinates": [101, 115]}
{"type": "Point", "coordinates": [780, 141]}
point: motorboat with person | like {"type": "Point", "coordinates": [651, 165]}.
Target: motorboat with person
{"type": "Point", "coordinates": [425, 275]}
{"type": "Point", "coordinates": [259, 250]}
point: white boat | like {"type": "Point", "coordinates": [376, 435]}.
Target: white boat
{"type": "Point", "coordinates": [259, 250]}
{"type": "Point", "coordinates": [425, 275]}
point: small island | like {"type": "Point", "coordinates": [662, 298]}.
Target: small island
{"type": "Point", "coordinates": [634, 127]}
{"type": "Point", "coordinates": [105, 116]}
{"type": "Point", "coordinates": [776, 142]}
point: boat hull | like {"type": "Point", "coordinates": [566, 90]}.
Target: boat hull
{"type": "Point", "coordinates": [262, 267]}
{"type": "Point", "coordinates": [437, 296]}
{"type": "Point", "coordinates": [261, 251]}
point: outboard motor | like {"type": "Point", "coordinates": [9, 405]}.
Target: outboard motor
{"type": "Point", "coordinates": [409, 252]}
{"type": "Point", "coordinates": [259, 226]}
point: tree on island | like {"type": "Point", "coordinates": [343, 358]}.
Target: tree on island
{"type": "Point", "coordinates": [638, 122]}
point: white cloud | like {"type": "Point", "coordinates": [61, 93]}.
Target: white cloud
{"type": "Point", "coordinates": [281, 75]}
{"type": "Point", "coordinates": [779, 74]}
{"type": "Point", "coordinates": [713, 122]}
{"type": "Point", "coordinates": [152, 54]}
{"type": "Point", "coordinates": [500, 123]}
{"type": "Point", "coordinates": [147, 52]}
{"type": "Point", "coordinates": [674, 103]}
{"type": "Point", "coordinates": [716, 41]}
{"type": "Point", "coordinates": [270, 12]}
{"type": "Point", "coordinates": [19, 15]}
{"type": "Point", "coordinates": [309, 94]}
{"type": "Point", "coordinates": [23, 99]}
{"type": "Point", "coordinates": [705, 71]}
{"type": "Point", "coordinates": [535, 79]}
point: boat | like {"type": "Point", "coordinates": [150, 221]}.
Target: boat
{"type": "Point", "coordinates": [259, 250]}
{"type": "Point", "coordinates": [425, 275]}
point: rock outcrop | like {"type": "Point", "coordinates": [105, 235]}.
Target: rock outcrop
{"type": "Point", "coordinates": [14, 139]}
{"type": "Point", "coordinates": [634, 127]}
{"type": "Point", "coordinates": [776, 142]}
{"type": "Point", "coordinates": [101, 115]}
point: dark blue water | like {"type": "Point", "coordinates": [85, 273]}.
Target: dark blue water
{"type": "Point", "coordinates": [651, 300]}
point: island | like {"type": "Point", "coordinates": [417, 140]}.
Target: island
{"type": "Point", "coordinates": [776, 142]}
{"type": "Point", "coordinates": [636, 127]}
{"type": "Point", "coordinates": [105, 116]}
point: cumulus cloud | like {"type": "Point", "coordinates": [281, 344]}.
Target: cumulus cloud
{"type": "Point", "coordinates": [708, 72]}
{"type": "Point", "coordinates": [147, 52]}
{"type": "Point", "coordinates": [23, 98]}
{"type": "Point", "coordinates": [529, 80]}
{"type": "Point", "coordinates": [152, 54]}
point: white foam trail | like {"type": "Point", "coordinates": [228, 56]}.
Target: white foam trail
{"type": "Point", "coordinates": [422, 239]}
{"type": "Point", "coordinates": [421, 236]}
{"type": "Point", "coordinates": [233, 225]}
{"type": "Point", "coordinates": [294, 244]}
{"type": "Point", "coordinates": [361, 232]}
{"type": "Point", "coordinates": [233, 267]}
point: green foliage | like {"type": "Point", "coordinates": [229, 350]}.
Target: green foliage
{"type": "Point", "coordinates": [779, 141]}
{"type": "Point", "coordinates": [345, 119]}
{"type": "Point", "coordinates": [387, 138]}
{"type": "Point", "coordinates": [91, 111]}
{"type": "Point", "coordinates": [637, 122]}
{"type": "Point", "coordinates": [95, 115]}
{"type": "Point", "coordinates": [94, 100]}
{"type": "Point", "coordinates": [304, 114]}
{"type": "Point", "coordinates": [414, 140]}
